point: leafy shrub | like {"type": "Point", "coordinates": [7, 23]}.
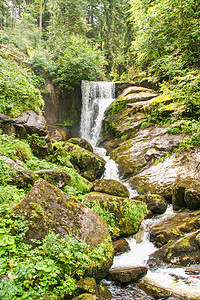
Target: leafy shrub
{"type": "Point", "coordinates": [14, 148]}
{"type": "Point", "coordinates": [75, 60]}
{"type": "Point", "coordinates": [17, 92]}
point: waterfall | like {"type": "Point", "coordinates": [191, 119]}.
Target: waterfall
{"type": "Point", "coordinates": [96, 98]}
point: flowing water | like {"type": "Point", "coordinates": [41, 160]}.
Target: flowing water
{"type": "Point", "coordinates": [96, 98]}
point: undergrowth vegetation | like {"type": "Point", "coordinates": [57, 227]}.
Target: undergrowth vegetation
{"type": "Point", "coordinates": [17, 90]}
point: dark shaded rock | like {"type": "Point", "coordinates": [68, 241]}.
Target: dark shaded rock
{"type": "Point", "coordinates": [121, 246]}
{"type": "Point", "coordinates": [125, 275]}
{"type": "Point", "coordinates": [125, 223]}
{"type": "Point", "coordinates": [29, 123]}
{"type": "Point", "coordinates": [58, 178]}
{"type": "Point", "coordinates": [155, 203]}
{"type": "Point", "coordinates": [104, 292]}
{"type": "Point", "coordinates": [112, 187]}
{"type": "Point", "coordinates": [82, 143]}
{"type": "Point", "coordinates": [46, 207]}
{"type": "Point", "coordinates": [186, 193]}
{"type": "Point", "coordinates": [88, 164]}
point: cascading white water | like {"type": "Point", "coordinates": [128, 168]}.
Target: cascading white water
{"type": "Point", "coordinates": [96, 98]}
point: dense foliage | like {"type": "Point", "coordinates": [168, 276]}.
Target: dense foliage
{"type": "Point", "coordinates": [53, 266]}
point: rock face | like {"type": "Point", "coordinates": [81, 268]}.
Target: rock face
{"type": "Point", "coordinates": [143, 150]}
{"type": "Point", "coordinates": [125, 275]}
{"type": "Point", "coordinates": [127, 213]}
{"type": "Point", "coordinates": [88, 164]}
{"type": "Point", "coordinates": [112, 187]}
{"type": "Point", "coordinates": [28, 123]}
{"type": "Point", "coordinates": [62, 106]}
{"type": "Point", "coordinates": [47, 208]}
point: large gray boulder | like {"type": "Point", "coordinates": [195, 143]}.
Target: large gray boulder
{"type": "Point", "coordinates": [48, 208]}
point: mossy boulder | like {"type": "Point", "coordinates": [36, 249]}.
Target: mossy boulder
{"type": "Point", "coordinates": [88, 164]}
{"type": "Point", "coordinates": [154, 290]}
{"type": "Point", "coordinates": [126, 213]}
{"type": "Point", "coordinates": [155, 203]}
{"type": "Point", "coordinates": [59, 178]}
{"type": "Point", "coordinates": [178, 239]}
{"type": "Point", "coordinates": [47, 208]}
{"type": "Point", "coordinates": [89, 285]}
{"type": "Point", "coordinates": [112, 187]}
{"type": "Point", "coordinates": [175, 227]}
{"type": "Point", "coordinates": [82, 143]}
{"type": "Point", "coordinates": [181, 252]}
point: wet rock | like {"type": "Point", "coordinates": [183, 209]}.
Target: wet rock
{"type": "Point", "coordinates": [82, 143]}
{"type": "Point", "coordinates": [126, 275]}
{"type": "Point", "coordinates": [48, 208]}
{"type": "Point", "coordinates": [193, 270]}
{"type": "Point", "coordinates": [183, 252]}
{"type": "Point", "coordinates": [127, 213]}
{"type": "Point", "coordinates": [153, 289]}
{"type": "Point", "coordinates": [58, 178]}
{"type": "Point", "coordinates": [155, 203]}
{"type": "Point", "coordinates": [121, 246]}
{"type": "Point", "coordinates": [88, 164]}
{"type": "Point", "coordinates": [175, 227]}
{"type": "Point", "coordinates": [112, 187]}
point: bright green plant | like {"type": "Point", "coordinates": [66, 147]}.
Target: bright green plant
{"type": "Point", "coordinates": [14, 148]}
{"type": "Point", "coordinates": [17, 92]}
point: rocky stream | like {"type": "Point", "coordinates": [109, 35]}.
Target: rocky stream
{"type": "Point", "coordinates": [168, 241]}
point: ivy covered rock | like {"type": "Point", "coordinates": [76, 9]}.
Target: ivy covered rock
{"type": "Point", "coordinates": [47, 208]}
{"type": "Point", "coordinates": [112, 187]}
{"type": "Point", "coordinates": [88, 164]}
{"type": "Point", "coordinates": [123, 215]}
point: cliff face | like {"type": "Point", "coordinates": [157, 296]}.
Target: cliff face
{"type": "Point", "coordinates": [62, 107]}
